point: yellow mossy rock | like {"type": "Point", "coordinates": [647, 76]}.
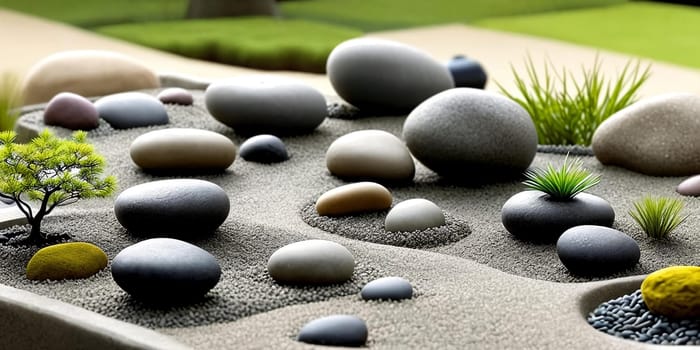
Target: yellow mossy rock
{"type": "Point", "coordinates": [66, 261]}
{"type": "Point", "coordinates": [673, 292]}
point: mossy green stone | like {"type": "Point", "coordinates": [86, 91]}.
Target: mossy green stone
{"type": "Point", "coordinates": [66, 261]}
{"type": "Point", "coordinates": [673, 292]}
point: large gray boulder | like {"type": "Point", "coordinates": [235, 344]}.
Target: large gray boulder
{"type": "Point", "coordinates": [471, 133]}
{"type": "Point", "coordinates": [385, 76]}
{"type": "Point", "coordinates": [656, 136]}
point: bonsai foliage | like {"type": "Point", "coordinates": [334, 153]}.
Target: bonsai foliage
{"type": "Point", "coordinates": [10, 100]}
{"type": "Point", "coordinates": [51, 171]}
{"type": "Point", "coordinates": [658, 216]}
{"type": "Point", "coordinates": [567, 112]}
{"type": "Point", "coordinates": [564, 182]}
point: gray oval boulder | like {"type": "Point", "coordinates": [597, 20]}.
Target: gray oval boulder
{"type": "Point", "coordinates": [471, 133]}
{"type": "Point", "coordinates": [655, 136]}
{"type": "Point", "coordinates": [266, 105]}
{"type": "Point", "coordinates": [385, 76]}
{"type": "Point", "coordinates": [71, 111]}
{"type": "Point", "coordinates": [87, 73]}
{"type": "Point", "coordinates": [413, 215]}
{"type": "Point", "coordinates": [591, 250]}
{"type": "Point", "coordinates": [179, 208]}
{"type": "Point", "coordinates": [372, 155]}
{"type": "Point", "coordinates": [311, 262]}
{"type": "Point", "coordinates": [131, 110]}
{"type": "Point", "coordinates": [182, 149]}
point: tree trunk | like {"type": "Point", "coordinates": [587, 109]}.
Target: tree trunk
{"type": "Point", "coordinates": [35, 235]}
{"type": "Point", "coordinates": [231, 8]}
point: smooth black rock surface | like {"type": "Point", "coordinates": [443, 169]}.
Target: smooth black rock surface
{"type": "Point", "coordinates": [179, 207]}
{"type": "Point", "coordinates": [467, 72]}
{"type": "Point", "coordinates": [165, 270]}
{"type": "Point", "coordinates": [535, 216]}
{"type": "Point", "coordinates": [264, 149]}
{"type": "Point", "coordinates": [338, 330]}
{"type": "Point", "coordinates": [131, 110]}
{"type": "Point", "coordinates": [389, 288]}
{"type": "Point", "coordinates": [590, 250]}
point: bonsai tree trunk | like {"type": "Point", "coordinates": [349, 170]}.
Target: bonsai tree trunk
{"type": "Point", "coordinates": [230, 8]}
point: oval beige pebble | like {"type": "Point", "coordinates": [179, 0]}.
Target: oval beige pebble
{"type": "Point", "coordinates": [184, 149]}
{"type": "Point", "coordinates": [413, 215]}
{"type": "Point", "coordinates": [86, 73]}
{"type": "Point", "coordinates": [354, 198]}
{"type": "Point", "coordinates": [311, 262]}
{"type": "Point", "coordinates": [370, 154]}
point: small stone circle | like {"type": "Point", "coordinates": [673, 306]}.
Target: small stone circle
{"type": "Point", "coordinates": [73, 260]}
{"type": "Point", "coordinates": [176, 149]}
{"type": "Point", "coordinates": [387, 288]}
{"type": "Point", "coordinates": [311, 262]}
{"type": "Point", "coordinates": [165, 269]}
{"type": "Point", "coordinates": [71, 111]}
{"type": "Point", "coordinates": [131, 110]}
{"type": "Point", "coordinates": [414, 214]}
{"type": "Point", "coordinates": [673, 292]}
{"type": "Point", "coordinates": [590, 250]}
{"type": "Point", "coordinates": [335, 330]}
{"type": "Point", "coordinates": [354, 198]}
{"type": "Point", "coordinates": [374, 155]}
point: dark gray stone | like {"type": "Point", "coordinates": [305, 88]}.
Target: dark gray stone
{"type": "Point", "coordinates": [165, 270]}
{"type": "Point", "coordinates": [176, 95]}
{"type": "Point", "coordinates": [263, 149]}
{"type": "Point", "coordinates": [535, 216]}
{"type": "Point", "coordinates": [180, 207]}
{"type": "Point", "coordinates": [467, 72]}
{"type": "Point", "coordinates": [467, 133]}
{"type": "Point", "coordinates": [390, 288]}
{"type": "Point", "coordinates": [385, 76]}
{"type": "Point", "coordinates": [71, 111]}
{"type": "Point", "coordinates": [131, 110]}
{"type": "Point", "coordinates": [337, 330]}
{"type": "Point", "coordinates": [266, 105]}
{"type": "Point", "coordinates": [590, 250]}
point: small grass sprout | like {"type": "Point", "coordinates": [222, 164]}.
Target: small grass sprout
{"type": "Point", "coordinates": [567, 112]}
{"type": "Point", "coordinates": [564, 182]}
{"type": "Point", "coordinates": [658, 216]}
{"type": "Point", "coordinates": [10, 100]}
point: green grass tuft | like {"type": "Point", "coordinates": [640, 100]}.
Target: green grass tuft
{"type": "Point", "coordinates": [658, 216]}
{"type": "Point", "coordinates": [567, 112]}
{"type": "Point", "coordinates": [10, 101]}
{"type": "Point", "coordinates": [564, 182]}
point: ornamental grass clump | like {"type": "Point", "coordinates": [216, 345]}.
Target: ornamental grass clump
{"type": "Point", "coordinates": [10, 100]}
{"type": "Point", "coordinates": [564, 182]}
{"type": "Point", "coordinates": [567, 112]}
{"type": "Point", "coordinates": [658, 216]}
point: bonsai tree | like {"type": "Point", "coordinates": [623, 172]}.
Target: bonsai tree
{"type": "Point", "coordinates": [51, 171]}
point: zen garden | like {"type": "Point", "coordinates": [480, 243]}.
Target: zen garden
{"type": "Point", "coordinates": [265, 174]}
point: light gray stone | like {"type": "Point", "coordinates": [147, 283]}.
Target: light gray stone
{"type": "Point", "coordinates": [413, 215]}
{"type": "Point", "coordinates": [176, 95]}
{"type": "Point", "coordinates": [467, 132]}
{"type": "Point", "coordinates": [655, 136]}
{"type": "Point", "coordinates": [372, 155]}
{"type": "Point", "coordinates": [386, 76]}
{"type": "Point", "coordinates": [131, 110]}
{"type": "Point", "coordinates": [311, 262]}
{"type": "Point", "coordinates": [264, 104]}
{"type": "Point", "coordinates": [183, 149]}
{"type": "Point", "coordinates": [690, 186]}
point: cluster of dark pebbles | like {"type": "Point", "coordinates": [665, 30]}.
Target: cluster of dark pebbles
{"type": "Point", "coordinates": [628, 317]}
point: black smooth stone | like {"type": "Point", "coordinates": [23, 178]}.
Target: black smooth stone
{"type": "Point", "coordinates": [263, 149]}
{"type": "Point", "coordinates": [165, 270]}
{"type": "Point", "coordinates": [467, 72]}
{"type": "Point", "coordinates": [535, 216]}
{"type": "Point", "coordinates": [388, 288]}
{"type": "Point", "coordinates": [131, 109]}
{"type": "Point", "coordinates": [173, 208]}
{"type": "Point", "coordinates": [590, 250]}
{"type": "Point", "coordinates": [338, 330]}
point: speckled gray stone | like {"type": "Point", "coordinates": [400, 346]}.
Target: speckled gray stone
{"type": "Point", "coordinates": [311, 262]}
{"type": "Point", "coordinates": [71, 111]}
{"type": "Point", "coordinates": [466, 132]}
{"type": "Point", "coordinates": [383, 75]}
{"type": "Point", "coordinates": [131, 110]}
{"type": "Point", "coordinates": [389, 288]}
{"type": "Point", "coordinates": [414, 214]}
{"type": "Point", "coordinates": [591, 250]}
{"type": "Point", "coordinates": [336, 330]}
{"type": "Point", "coordinates": [655, 136]}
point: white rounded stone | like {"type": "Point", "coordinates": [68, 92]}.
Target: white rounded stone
{"type": "Point", "coordinates": [311, 262]}
{"type": "Point", "coordinates": [413, 215]}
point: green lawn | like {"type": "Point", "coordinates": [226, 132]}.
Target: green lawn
{"type": "Point", "coordinates": [659, 31]}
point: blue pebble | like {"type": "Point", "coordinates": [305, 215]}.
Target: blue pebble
{"type": "Point", "coordinates": [391, 288]}
{"type": "Point", "coordinates": [264, 149]}
{"type": "Point", "coordinates": [338, 330]}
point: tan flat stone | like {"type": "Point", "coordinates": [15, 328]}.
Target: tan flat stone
{"type": "Point", "coordinates": [354, 198]}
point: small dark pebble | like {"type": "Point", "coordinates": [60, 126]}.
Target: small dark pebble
{"type": "Point", "coordinates": [628, 317]}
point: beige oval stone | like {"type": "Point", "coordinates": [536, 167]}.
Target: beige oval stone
{"type": "Point", "coordinates": [354, 198]}
{"type": "Point", "coordinates": [86, 73]}
{"type": "Point", "coordinates": [183, 149]}
{"type": "Point", "coordinates": [370, 154]}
